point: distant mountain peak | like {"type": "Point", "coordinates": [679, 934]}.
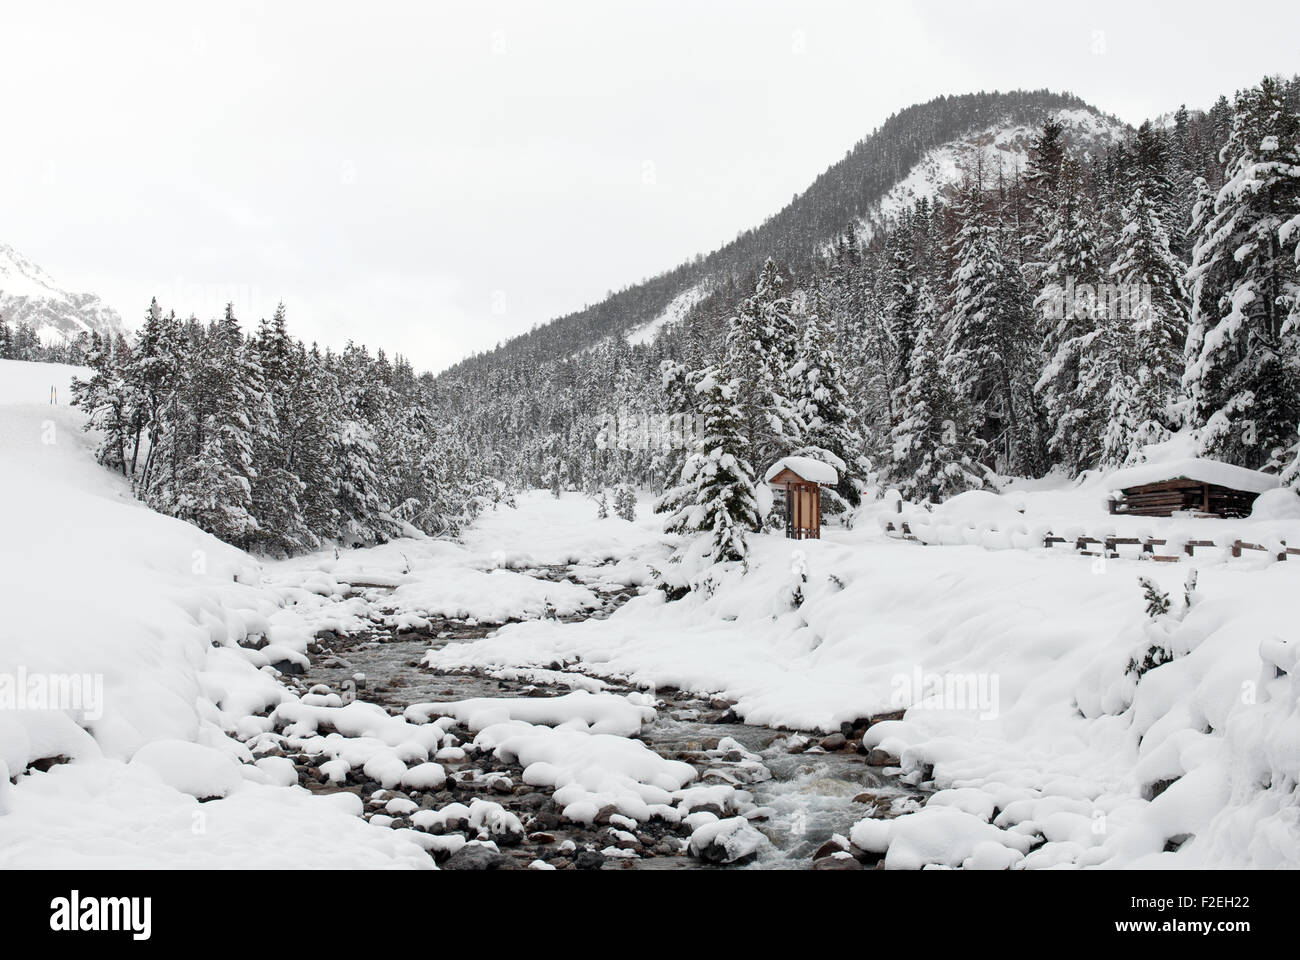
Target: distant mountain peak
{"type": "Point", "coordinates": [1004, 145]}
{"type": "Point", "coordinates": [30, 295]}
{"type": "Point", "coordinates": [922, 150]}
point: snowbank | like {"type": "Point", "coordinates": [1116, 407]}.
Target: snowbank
{"type": "Point", "coordinates": [127, 645]}
{"type": "Point", "coordinates": [1059, 724]}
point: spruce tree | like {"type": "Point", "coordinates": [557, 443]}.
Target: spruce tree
{"type": "Point", "coordinates": [1069, 310]}
{"type": "Point", "coordinates": [761, 348]}
{"type": "Point", "coordinates": [1153, 301]}
{"type": "Point", "coordinates": [716, 492]}
{"type": "Point", "coordinates": [829, 430]}
{"type": "Point", "coordinates": [935, 456]}
{"type": "Point", "coordinates": [989, 352]}
{"type": "Point", "coordinates": [1241, 373]}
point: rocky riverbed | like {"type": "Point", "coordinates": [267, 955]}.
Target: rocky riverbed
{"type": "Point", "coordinates": [800, 791]}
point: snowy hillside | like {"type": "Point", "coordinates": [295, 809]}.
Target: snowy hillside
{"type": "Point", "coordinates": [29, 295]}
{"type": "Point", "coordinates": [675, 312]}
{"type": "Point", "coordinates": [1003, 149]}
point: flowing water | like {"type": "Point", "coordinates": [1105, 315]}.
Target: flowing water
{"type": "Point", "coordinates": [810, 795]}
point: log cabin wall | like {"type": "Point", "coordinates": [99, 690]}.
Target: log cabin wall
{"type": "Point", "coordinates": [1164, 498]}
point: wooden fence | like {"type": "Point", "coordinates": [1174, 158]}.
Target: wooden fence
{"type": "Point", "coordinates": [1085, 546]}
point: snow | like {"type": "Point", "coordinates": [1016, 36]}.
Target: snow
{"type": "Point", "coordinates": [1012, 661]}
{"type": "Point", "coordinates": [810, 469]}
{"type": "Point", "coordinates": [155, 612]}
{"type": "Point", "coordinates": [675, 312]}
{"type": "Point", "coordinates": [1002, 145]}
{"type": "Point", "coordinates": [202, 772]}
{"type": "Point", "coordinates": [485, 578]}
{"type": "Point", "coordinates": [598, 713]}
{"type": "Point", "coordinates": [28, 293]}
{"type": "Point", "coordinates": [734, 837]}
{"type": "Point", "coordinates": [1193, 468]}
{"type": "Point", "coordinates": [589, 771]}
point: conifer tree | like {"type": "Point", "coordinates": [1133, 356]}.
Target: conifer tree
{"type": "Point", "coordinates": [935, 455]}
{"type": "Point", "coordinates": [828, 420]}
{"type": "Point", "coordinates": [1070, 310]}
{"type": "Point", "coordinates": [717, 496]}
{"type": "Point", "coordinates": [1241, 373]}
{"type": "Point", "coordinates": [625, 502]}
{"type": "Point", "coordinates": [761, 348]}
{"type": "Point", "coordinates": [989, 352]}
{"type": "Point", "coordinates": [1153, 303]}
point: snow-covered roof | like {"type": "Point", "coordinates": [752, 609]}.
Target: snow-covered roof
{"type": "Point", "coordinates": [1202, 471]}
{"type": "Point", "coordinates": [814, 471]}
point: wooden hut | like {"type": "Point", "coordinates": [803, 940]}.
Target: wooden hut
{"type": "Point", "coordinates": [1196, 487]}
{"type": "Point", "coordinates": [799, 480]}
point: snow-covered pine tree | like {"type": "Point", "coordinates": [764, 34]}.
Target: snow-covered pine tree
{"type": "Point", "coordinates": [313, 403]}
{"type": "Point", "coordinates": [602, 505]}
{"type": "Point", "coordinates": [364, 511]}
{"type": "Point", "coordinates": [214, 484]}
{"type": "Point", "coordinates": [1153, 302]}
{"type": "Point", "coordinates": [1069, 311]}
{"type": "Point", "coordinates": [625, 502]}
{"type": "Point", "coordinates": [935, 454]}
{"type": "Point", "coordinates": [276, 489]}
{"type": "Point", "coordinates": [990, 353]}
{"type": "Point", "coordinates": [1041, 184]}
{"type": "Point", "coordinates": [900, 301]}
{"type": "Point", "coordinates": [154, 379]}
{"type": "Point", "coordinates": [682, 403]}
{"type": "Point", "coordinates": [1242, 373]}
{"type": "Point", "coordinates": [716, 493]}
{"type": "Point", "coordinates": [761, 349]}
{"type": "Point", "coordinates": [829, 422]}
{"type": "Point", "coordinates": [103, 397]}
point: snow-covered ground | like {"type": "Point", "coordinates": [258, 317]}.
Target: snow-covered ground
{"type": "Point", "coordinates": [143, 722]}
{"type": "Point", "coordinates": [142, 616]}
{"type": "Point", "coordinates": [1058, 722]}
{"type": "Point", "coordinates": [1018, 667]}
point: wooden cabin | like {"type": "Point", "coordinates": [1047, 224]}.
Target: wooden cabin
{"type": "Point", "coordinates": [799, 481]}
{"type": "Point", "coordinates": [1196, 487]}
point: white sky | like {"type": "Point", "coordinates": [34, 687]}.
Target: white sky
{"type": "Point", "coordinates": [435, 177]}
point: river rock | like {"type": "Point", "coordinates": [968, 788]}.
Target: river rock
{"type": "Point", "coordinates": [881, 758]}
{"type": "Point", "coordinates": [828, 849]}
{"type": "Point", "coordinates": [476, 856]}
{"type": "Point", "coordinates": [589, 860]}
{"type": "Point", "coordinates": [835, 741]}
{"type": "Point", "coordinates": [844, 862]}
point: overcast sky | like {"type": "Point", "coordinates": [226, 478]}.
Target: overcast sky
{"type": "Point", "coordinates": [435, 177]}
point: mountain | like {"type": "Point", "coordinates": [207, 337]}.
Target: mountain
{"type": "Point", "coordinates": [29, 295]}
{"type": "Point", "coordinates": [920, 151]}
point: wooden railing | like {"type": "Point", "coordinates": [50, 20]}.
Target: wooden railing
{"type": "Point", "coordinates": [1085, 545]}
